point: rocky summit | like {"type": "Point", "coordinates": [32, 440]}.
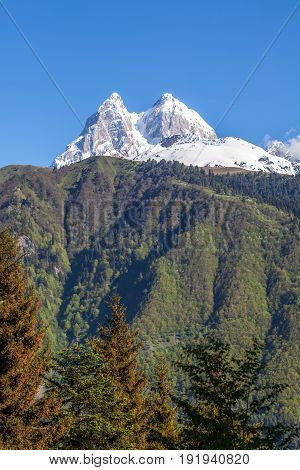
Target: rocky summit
{"type": "Point", "coordinates": [169, 131]}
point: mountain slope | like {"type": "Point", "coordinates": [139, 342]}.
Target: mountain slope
{"type": "Point", "coordinates": [181, 248]}
{"type": "Point", "coordinates": [168, 130]}
{"type": "Point", "coordinates": [228, 152]}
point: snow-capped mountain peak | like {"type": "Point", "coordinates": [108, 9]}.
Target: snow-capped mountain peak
{"type": "Point", "coordinates": [115, 97]}
{"type": "Point", "coordinates": [170, 117]}
{"type": "Point", "coordinates": [109, 131]}
{"type": "Point", "coordinates": [166, 100]}
{"type": "Point", "coordinates": [113, 130]}
{"type": "Point", "coordinates": [164, 97]}
{"type": "Point", "coordinates": [114, 100]}
{"type": "Point", "coordinates": [168, 130]}
{"type": "Point", "coordinates": [281, 149]}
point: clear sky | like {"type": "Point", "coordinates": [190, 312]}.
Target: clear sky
{"type": "Point", "coordinates": [201, 51]}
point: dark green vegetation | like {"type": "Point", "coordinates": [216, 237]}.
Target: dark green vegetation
{"type": "Point", "coordinates": [94, 395]}
{"type": "Point", "coordinates": [106, 397]}
{"type": "Point", "coordinates": [228, 399]}
{"type": "Point", "coordinates": [95, 407]}
{"type": "Point", "coordinates": [186, 251]}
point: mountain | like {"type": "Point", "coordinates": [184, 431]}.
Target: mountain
{"type": "Point", "coordinates": [110, 131]}
{"type": "Point", "coordinates": [290, 150]}
{"type": "Point", "coordinates": [279, 149]}
{"type": "Point", "coordinates": [187, 249]}
{"type": "Point", "coordinates": [168, 130]}
{"type": "Point", "coordinates": [113, 131]}
{"type": "Point", "coordinates": [229, 152]}
{"type": "Point", "coordinates": [169, 118]}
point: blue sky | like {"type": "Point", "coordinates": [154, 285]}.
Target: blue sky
{"type": "Point", "coordinates": [200, 51]}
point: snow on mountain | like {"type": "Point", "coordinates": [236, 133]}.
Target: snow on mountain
{"type": "Point", "coordinates": [168, 130]}
{"type": "Point", "coordinates": [228, 152]}
{"type": "Point", "coordinates": [289, 149]}
{"type": "Point", "coordinates": [278, 148]}
{"type": "Point", "coordinates": [169, 117]}
{"type": "Point", "coordinates": [110, 131]}
{"type": "Point", "coordinates": [113, 130]}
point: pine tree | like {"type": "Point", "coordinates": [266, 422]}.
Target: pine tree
{"type": "Point", "coordinates": [95, 407]}
{"type": "Point", "coordinates": [120, 348]}
{"type": "Point", "coordinates": [228, 404]}
{"type": "Point", "coordinates": [163, 428]}
{"type": "Point", "coordinates": [24, 413]}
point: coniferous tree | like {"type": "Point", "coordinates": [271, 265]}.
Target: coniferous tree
{"type": "Point", "coordinates": [120, 347]}
{"type": "Point", "coordinates": [27, 419]}
{"type": "Point", "coordinates": [163, 428]}
{"type": "Point", "coordinates": [96, 408]}
{"type": "Point", "coordinates": [227, 404]}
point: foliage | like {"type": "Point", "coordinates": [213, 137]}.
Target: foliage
{"type": "Point", "coordinates": [186, 248]}
{"type": "Point", "coordinates": [163, 428]}
{"type": "Point", "coordinates": [27, 419]}
{"type": "Point", "coordinates": [227, 403]}
{"type": "Point", "coordinates": [92, 403]}
{"type": "Point", "coordinates": [119, 347]}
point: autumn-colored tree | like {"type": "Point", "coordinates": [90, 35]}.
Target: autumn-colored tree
{"type": "Point", "coordinates": [27, 419]}
{"type": "Point", "coordinates": [118, 344]}
{"type": "Point", "coordinates": [163, 428]}
{"type": "Point", "coordinates": [228, 404]}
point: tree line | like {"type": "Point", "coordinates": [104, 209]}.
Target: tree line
{"type": "Point", "coordinates": [281, 191]}
{"type": "Point", "coordinates": [93, 394]}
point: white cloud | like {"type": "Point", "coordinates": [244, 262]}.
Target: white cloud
{"type": "Point", "coordinates": [267, 140]}
{"type": "Point", "coordinates": [293, 146]}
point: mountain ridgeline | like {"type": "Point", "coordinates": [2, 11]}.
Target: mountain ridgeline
{"type": "Point", "coordinates": [170, 131]}
{"type": "Point", "coordinates": [187, 250]}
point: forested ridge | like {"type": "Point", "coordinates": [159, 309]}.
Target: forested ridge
{"type": "Point", "coordinates": [94, 394]}
{"type": "Point", "coordinates": [188, 250]}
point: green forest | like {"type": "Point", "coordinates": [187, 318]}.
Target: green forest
{"type": "Point", "coordinates": [189, 267]}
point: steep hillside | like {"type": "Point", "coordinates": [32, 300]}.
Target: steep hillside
{"type": "Point", "coordinates": [185, 249]}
